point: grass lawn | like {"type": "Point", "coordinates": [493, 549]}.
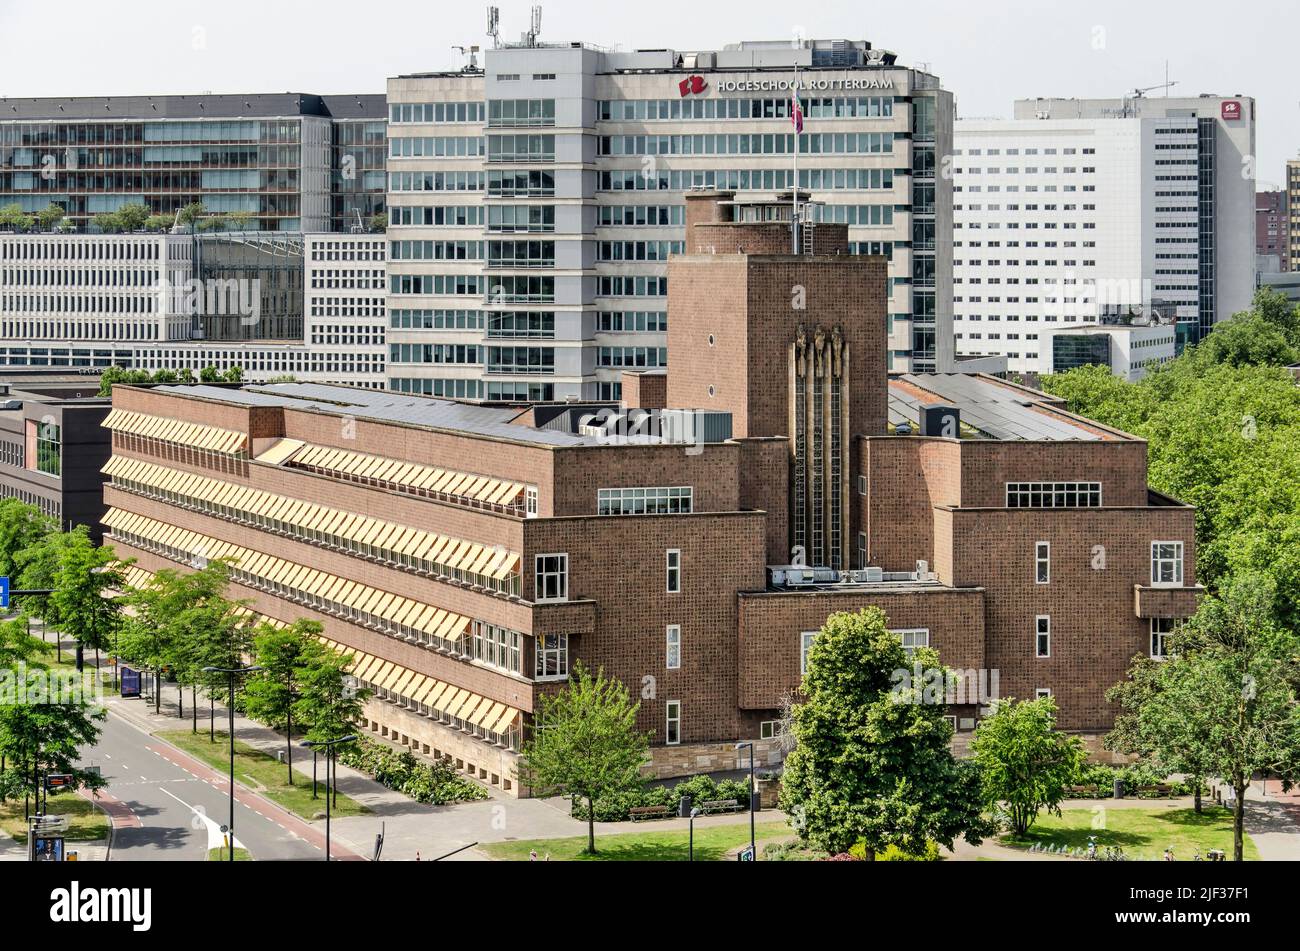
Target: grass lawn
{"type": "Point", "coordinates": [220, 854]}
{"type": "Point", "coordinates": [711, 845]}
{"type": "Point", "coordinates": [85, 822]}
{"type": "Point", "coordinates": [1141, 833]}
{"type": "Point", "coordinates": [262, 773]}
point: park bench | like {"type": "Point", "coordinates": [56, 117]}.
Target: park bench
{"type": "Point", "coordinates": [719, 805]}
{"type": "Point", "coordinates": [1090, 792]}
{"type": "Point", "coordinates": [1162, 790]}
{"type": "Point", "coordinates": [647, 812]}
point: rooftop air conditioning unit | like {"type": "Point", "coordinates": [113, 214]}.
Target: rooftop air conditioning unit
{"type": "Point", "coordinates": [922, 570]}
{"type": "Point", "coordinates": [873, 575]}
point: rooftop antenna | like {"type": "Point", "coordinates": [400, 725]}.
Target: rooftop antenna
{"type": "Point", "coordinates": [535, 25]}
{"type": "Point", "coordinates": [494, 19]}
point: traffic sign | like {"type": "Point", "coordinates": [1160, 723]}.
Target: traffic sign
{"type": "Point", "coordinates": [54, 782]}
{"type": "Point", "coordinates": [4, 591]}
{"type": "Point", "coordinates": [746, 854]}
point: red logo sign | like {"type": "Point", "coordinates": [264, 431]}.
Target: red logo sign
{"type": "Point", "coordinates": [692, 85]}
{"type": "Point", "coordinates": [1230, 109]}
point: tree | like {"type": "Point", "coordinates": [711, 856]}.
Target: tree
{"type": "Point", "coordinates": [1232, 676]}
{"type": "Point", "coordinates": [46, 735]}
{"type": "Point", "coordinates": [17, 646]}
{"type": "Point", "coordinates": [85, 575]}
{"type": "Point", "coordinates": [1025, 764]}
{"type": "Point", "coordinates": [871, 762]}
{"type": "Point", "coordinates": [132, 216]}
{"type": "Point", "coordinates": [379, 222]}
{"type": "Point", "coordinates": [1142, 727]}
{"type": "Point", "coordinates": [240, 220]}
{"type": "Point", "coordinates": [585, 743]}
{"type": "Point", "coordinates": [191, 213]}
{"type": "Point", "coordinates": [37, 567]}
{"type": "Point", "coordinates": [110, 222]}
{"type": "Point", "coordinates": [273, 693]}
{"type": "Point", "coordinates": [50, 217]}
{"type": "Point", "coordinates": [12, 218]}
{"type": "Point", "coordinates": [21, 527]}
{"type": "Point", "coordinates": [158, 222]}
{"type": "Point", "coordinates": [330, 704]}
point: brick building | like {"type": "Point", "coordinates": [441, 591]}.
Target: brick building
{"type": "Point", "coordinates": [470, 553]}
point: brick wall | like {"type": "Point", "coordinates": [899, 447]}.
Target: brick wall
{"type": "Point", "coordinates": [771, 624]}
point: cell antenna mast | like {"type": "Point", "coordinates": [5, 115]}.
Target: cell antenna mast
{"type": "Point", "coordinates": [535, 26]}
{"type": "Point", "coordinates": [494, 20]}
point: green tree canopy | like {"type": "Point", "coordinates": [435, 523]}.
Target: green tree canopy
{"type": "Point", "coordinates": [284, 654]}
{"type": "Point", "coordinates": [1025, 764]}
{"type": "Point", "coordinates": [872, 762]}
{"type": "Point", "coordinates": [585, 743]}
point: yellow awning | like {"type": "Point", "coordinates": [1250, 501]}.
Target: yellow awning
{"type": "Point", "coordinates": [193, 435]}
{"type": "Point", "coordinates": [279, 451]}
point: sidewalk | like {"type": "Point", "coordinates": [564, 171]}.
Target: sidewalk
{"type": "Point", "coordinates": [408, 826]}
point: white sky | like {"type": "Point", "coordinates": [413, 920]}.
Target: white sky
{"type": "Point", "coordinates": [988, 53]}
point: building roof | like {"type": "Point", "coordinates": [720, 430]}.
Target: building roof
{"type": "Point", "coordinates": [386, 406]}
{"type": "Point", "coordinates": [206, 106]}
{"type": "Point", "coordinates": [990, 408]}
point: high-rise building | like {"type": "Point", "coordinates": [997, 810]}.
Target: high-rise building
{"type": "Point", "coordinates": [273, 162]}
{"type": "Point", "coordinates": [1078, 210]}
{"type": "Point", "coordinates": [1271, 225]}
{"type": "Point", "coordinates": [690, 543]}
{"type": "Point", "coordinates": [533, 203]}
{"type": "Point", "coordinates": [1291, 261]}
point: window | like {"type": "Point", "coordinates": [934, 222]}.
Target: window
{"type": "Point", "coordinates": [49, 447]}
{"type": "Point", "coordinates": [673, 568]}
{"type": "Point", "coordinates": [805, 643]}
{"type": "Point", "coordinates": [1161, 628]}
{"type": "Point", "coordinates": [770, 729]}
{"type": "Point", "coordinates": [673, 647]}
{"type": "Point", "coordinates": [552, 580]}
{"type": "Point", "coordinates": [673, 732]}
{"type": "Point", "coordinates": [1043, 636]}
{"type": "Point", "coordinates": [1042, 562]}
{"type": "Point", "coordinates": [650, 500]}
{"type": "Point", "coordinates": [1041, 495]}
{"type": "Point", "coordinates": [1167, 563]}
{"type": "Point", "coordinates": [1042, 692]}
{"type": "Point", "coordinates": [862, 549]}
{"type": "Point", "coordinates": [530, 502]}
{"type": "Point", "coordinates": [552, 656]}
{"type": "Point", "coordinates": [913, 638]}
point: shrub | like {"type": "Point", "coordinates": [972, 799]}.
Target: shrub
{"type": "Point", "coordinates": [895, 854]}
{"type": "Point", "coordinates": [701, 789]}
{"type": "Point", "coordinates": [437, 782]}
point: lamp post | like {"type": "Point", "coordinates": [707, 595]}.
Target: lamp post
{"type": "Point", "coordinates": [329, 754]}
{"type": "Point", "coordinates": [230, 672]}
{"type": "Point", "coordinates": [691, 847]}
{"type": "Point", "coordinates": [752, 851]}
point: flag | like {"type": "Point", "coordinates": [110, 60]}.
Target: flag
{"type": "Point", "coordinates": [796, 112]}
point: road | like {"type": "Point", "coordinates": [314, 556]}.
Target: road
{"type": "Point", "coordinates": [164, 804]}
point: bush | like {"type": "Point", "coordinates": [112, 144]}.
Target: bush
{"type": "Point", "coordinates": [792, 851]}
{"type": "Point", "coordinates": [700, 788]}
{"type": "Point", "coordinates": [437, 783]}
{"type": "Point", "coordinates": [894, 854]}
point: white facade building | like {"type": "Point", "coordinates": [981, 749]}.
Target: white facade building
{"type": "Point", "coordinates": [1130, 350]}
{"type": "Point", "coordinates": [533, 204]}
{"type": "Point", "coordinates": [1078, 210]}
{"type": "Point", "coordinates": [131, 300]}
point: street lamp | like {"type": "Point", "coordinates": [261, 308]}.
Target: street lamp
{"type": "Point", "coordinates": [691, 847]}
{"type": "Point", "coordinates": [753, 853]}
{"type": "Point", "coordinates": [230, 672]}
{"type": "Point", "coordinates": [329, 755]}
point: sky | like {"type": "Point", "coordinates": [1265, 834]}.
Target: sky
{"type": "Point", "coordinates": [988, 54]}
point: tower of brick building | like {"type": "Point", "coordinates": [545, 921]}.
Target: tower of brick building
{"type": "Point", "coordinates": [792, 345]}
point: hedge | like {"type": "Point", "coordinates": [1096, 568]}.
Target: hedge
{"type": "Point", "coordinates": [437, 783]}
